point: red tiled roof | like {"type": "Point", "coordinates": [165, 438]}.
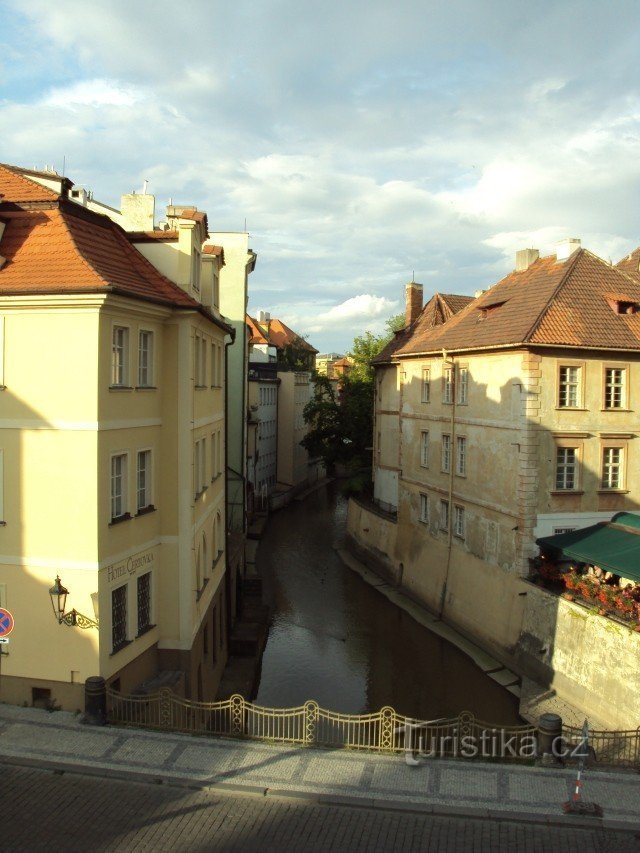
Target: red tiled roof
{"type": "Point", "coordinates": [440, 308]}
{"type": "Point", "coordinates": [15, 188]}
{"type": "Point", "coordinates": [67, 248]}
{"type": "Point", "coordinates": [552, 303]}
{"type": "Point", "coordinates": [631, 263]}
{"type": "Point", "coordinates": [257, 336]}
{"type": "Point", "coordinates": [277, 334]}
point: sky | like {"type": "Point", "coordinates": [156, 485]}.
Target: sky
{"type": "Point", "coordinates": [364, 144]}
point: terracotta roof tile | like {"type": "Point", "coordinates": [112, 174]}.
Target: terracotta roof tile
{"type": "Point", "coordinates": [631, 264]}
{"type": "Point", "coordinates": [552, 302]}
{"type": "Point", "coordinates": [257, 337]}
{"type": "Point", "coordinates": [151, 236]}
{"type": "Point", "coordinates": [66, 248]}
{"type": "Point", "coordinates": [15, 188]}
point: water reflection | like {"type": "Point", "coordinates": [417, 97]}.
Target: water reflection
{"type": "Point", "coordinates": [337, 640]}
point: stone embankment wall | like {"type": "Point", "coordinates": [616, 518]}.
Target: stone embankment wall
{"type": "Point", "coordinates": [589, 660]}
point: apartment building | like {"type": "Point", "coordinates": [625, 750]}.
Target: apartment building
{"type": "Point", "coordinates": [111, 450]}
{"type": "Point", "coordinates": [500, 419]}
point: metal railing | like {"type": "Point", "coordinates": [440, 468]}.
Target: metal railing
{"type": "Point", "coordinates": [310, 725]}
{"type": "Point", "coordinates": [607, 748]}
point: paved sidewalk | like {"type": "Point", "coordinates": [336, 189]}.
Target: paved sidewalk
{"type": "Point", "coordinates": [31, 737]}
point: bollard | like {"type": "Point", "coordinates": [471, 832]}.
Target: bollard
{"type": "Point", "coordinates": [550, 740]}
{"type": "Point", "coordinates": [95, 701]}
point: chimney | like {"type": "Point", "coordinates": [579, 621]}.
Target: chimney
{"type": "Point", "coordinates": [138, 211]}
{"type": "Point", "coordinates": [264, 316]}
{"type": "Point", "coordinates": [413, 302]}
{"type": "Point", "coordinates": [565, 248]}
{"type": "Point", "coordinates": [526, 257]}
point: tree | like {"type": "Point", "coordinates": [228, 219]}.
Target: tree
{"type": "Point", "coordinates": [366, 347]}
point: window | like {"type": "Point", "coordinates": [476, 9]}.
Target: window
{"type": "Point", "coordinates": [446, 452]}
{"type": "Point", "coordinates": [119, 617]}
{"type": "Point", "coordinates": [214, 647]}
{"type": "Point", "coordinates": [426, 384]}
{"type": "Point", "coordinates": [444, 515]}
{"type": "Point", "coordinates": [214, 365]}
{"type": "Point", "coordinates": [144, 603]}
{"type": "Point", "coordinates": [566, 468]}
{"type": "Point", "coordinates": [569, 387]}
{"type": "Point", "coordinates": [120, 356]}
{"type": "Point", "coordinates": [557, 530]}
{"type": "Point", "coordinates": [424, 448]}
{"type": "Point", "coordinates": [145, 359]}
{"type": "Point", "coordinates": [424, 509]}
{"type": "Point", "coordinates": [199, 361]}
{"type": "Point", "coordinates": [458, 521]}
{"type": "Point", "coordinates": [461, 456]}
{"type": "Point", "coordinates": [612, 458]}
{"type": "Point", "coordinates": [199, 466]}
{"type": "Point", "coordinates": [144, 480]}
{"type": "Point", "coordinates": [463, 385]}
{"type": "Point", "coordinates": [119, 486]}
{"type": "Point", "coordinates": [614, 388]}
{"type": "Point", "coordinates": [203, 362]}
{"type": "Point", "coordinates": [447, 385]}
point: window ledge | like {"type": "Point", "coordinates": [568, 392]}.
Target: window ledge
{"type": "Point", "coordinates": [120, 647]}
{"type": "Point", "coordinates": [120, 387]}
{"type": "Point", "coordinates": [200, 387]}
{"type": "Point", "coordinates": [616, 409]}
{"type": "Point", "coordinates": [146, 510]}
{"type": "Point", "coordinates": [560, 492]}
{"type": "Point", "coordinates": [612, 492]}
{"type": "Point", "coordinates": [571, 409]}
{"type": "Point", "coordinates": [146, 387]}
{"type": "Point", "coordinates": [120, 519]}
{"type": "Point", "coordinates": [199, 494]}
{"type": "Point", "coordinates": [144, 630]}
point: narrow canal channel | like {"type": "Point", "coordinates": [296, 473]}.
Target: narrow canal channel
{"type": "Point", "coordinates": [336, 639]}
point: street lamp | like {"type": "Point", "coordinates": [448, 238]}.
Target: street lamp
{"type": "Point", "coordinates": [59, 595]}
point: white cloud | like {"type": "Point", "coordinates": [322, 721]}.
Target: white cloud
{"type": "Point", "coordinates": [93, 93]}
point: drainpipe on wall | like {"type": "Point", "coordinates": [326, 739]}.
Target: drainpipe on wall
{"type": "Point", "coordinates": [452, 431]}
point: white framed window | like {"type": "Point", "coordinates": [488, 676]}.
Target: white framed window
{"type": "Point", "coordinates": [145, 358]}
{"type": "Point", "coordinates": [143, 480]}
{"type": "Point", "coordinates": [199, 466]}
{"type": "Point", "coordinates": [612, 468]}
{"type": "Point", "coordinates": [119, 475]}
{"type": "Point", "coordinates": [566, 468]}
{"type": "Point", "coordinates": [458, 521]}
{"type": "Point", "coordinates": [424, 448]}
{"type": "Point", "coordinates": [444, 515]}
{"type": "Point", "coordinates": [569, 386]}
{"type": "Point", "coordinates": [615, 391]}
{"type": "Point", "coordinates": [426, 384]}
{"type": "Point", "coordinates": [199, 361]}
{"type": "Point", "coordinates": [446, 452]}
{"type": "Point", "coordinates": [203, 362]}
{"type": "Point", "coordinates": [424, 508]}
{"type": "Point", "coordinates": [463, 385]}
{"type": "Point", "coordinates": [120, 356]}
{"type": "Point", "coordinates": [447, 385]}
{"type": "Point", "coordinates": [461, 456]}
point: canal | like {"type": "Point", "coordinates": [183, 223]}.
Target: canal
{"type": "Point", "coordinates": [336, 639]}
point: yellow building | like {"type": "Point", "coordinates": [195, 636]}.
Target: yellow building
{"type": "Point", "coordinates": [111, 451]}
{"type": "Point", "coordinates": [499, 420]}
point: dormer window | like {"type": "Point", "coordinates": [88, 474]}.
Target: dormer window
{"type": "Point", "coordinates": [486, 311]}
{"type": "Point", "coordinates": [622, 304]}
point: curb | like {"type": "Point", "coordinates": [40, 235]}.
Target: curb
{"type": "Point", "coordinates": [153, 777]}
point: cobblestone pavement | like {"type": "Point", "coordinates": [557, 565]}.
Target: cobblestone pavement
{"type": "Point", "coordinates": [54, 811]}
{"type": "Point", "coordinates": [31, 737]}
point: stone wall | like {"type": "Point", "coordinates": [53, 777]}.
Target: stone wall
{"type": "Point", "coordinates": [590, 661]}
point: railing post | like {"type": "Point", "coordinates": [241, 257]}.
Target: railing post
{"type": "Point", "coordinates": [387, 727]}
{"type": "Point", "coordinates": [550, 740]}
{"type": "Point", "coordinates": [165, 708]}
{"type": "Point", "coordinates": [310, 720]}
{"type": "Point", "coordinates": [95, 701]}
{"type": "Point", "coordinates": [237, 714]}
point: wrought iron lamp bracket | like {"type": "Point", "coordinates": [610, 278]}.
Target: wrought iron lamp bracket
{"type": "Point", "coordinates": [78, 620]}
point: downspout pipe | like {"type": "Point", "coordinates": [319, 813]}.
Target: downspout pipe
{"type": "Point", "coordinates": [449, 362]}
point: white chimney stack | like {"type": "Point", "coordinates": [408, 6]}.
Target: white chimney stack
{"type": "Point", "coordinates": [565, 248]}
{"type": "Point", "coordinates": [526, 257]}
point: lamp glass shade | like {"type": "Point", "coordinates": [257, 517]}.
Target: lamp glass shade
{"type": "Point", "coordinates": [58, 595]}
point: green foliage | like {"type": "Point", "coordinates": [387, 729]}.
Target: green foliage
{"type": "Point", "coordinates": [293, 356]}
{"type": "Point", "coordinates": [366, 347]}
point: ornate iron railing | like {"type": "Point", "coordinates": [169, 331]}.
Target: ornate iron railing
{"type": "Point", "coordinates": [607, 748]}
{"type": "Point", "coordinates": [309, 724]}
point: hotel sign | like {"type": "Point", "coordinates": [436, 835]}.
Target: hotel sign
{"type": "Point", "coordinates": [133, 565]}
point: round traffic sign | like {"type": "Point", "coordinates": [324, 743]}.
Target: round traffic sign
{"type": "Point", "coordinates": [6, 622]}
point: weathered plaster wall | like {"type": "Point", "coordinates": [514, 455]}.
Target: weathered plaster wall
{"type": "Point", "coordinates": [591, 661]}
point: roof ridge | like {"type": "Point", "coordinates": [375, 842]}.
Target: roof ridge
{"type": "Point", "coordinates": [569, 269]}
{"type": "Point", "coordinates": [50, 194]}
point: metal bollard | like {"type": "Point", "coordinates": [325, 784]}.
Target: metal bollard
{"type": "Point", "coordinates": [550, 739]}
{"type": "Point", "coordinates": [95, 701]}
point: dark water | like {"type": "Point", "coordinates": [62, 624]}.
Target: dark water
{"type": "Point", "coordinates": [337, 640]}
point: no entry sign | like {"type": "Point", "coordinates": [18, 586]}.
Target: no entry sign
{"type": "Point", "coordinates": [6, 622]}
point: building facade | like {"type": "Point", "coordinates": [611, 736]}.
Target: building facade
{"type": "Point", "coordinates": [112, 449]}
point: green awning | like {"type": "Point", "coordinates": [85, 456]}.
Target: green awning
{"type": "Point", "coordinates": [613, 545]}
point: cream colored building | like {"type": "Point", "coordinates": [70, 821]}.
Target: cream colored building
{"type": "Point", "coordinates": [112, 450]}
{"type": "Point", "coordinates": [511, 416]}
